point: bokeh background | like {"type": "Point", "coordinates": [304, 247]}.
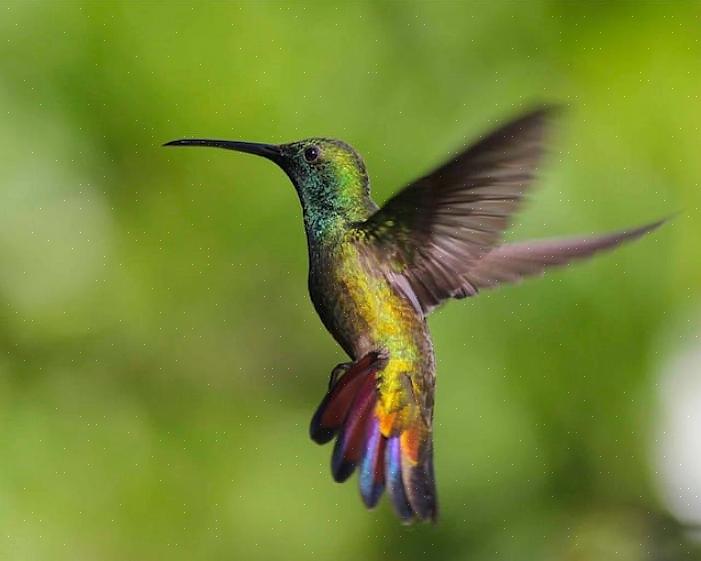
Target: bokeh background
{"type": "Point", "coordinates": [160, 356]}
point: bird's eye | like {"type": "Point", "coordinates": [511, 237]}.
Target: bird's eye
{"type": "Point", "coordinates": [311, 154]}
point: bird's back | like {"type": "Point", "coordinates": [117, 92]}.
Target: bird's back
{"type": "Point", "coordinates": [362, 309]}
{"type": "Point", "coordinates": [366, 314]}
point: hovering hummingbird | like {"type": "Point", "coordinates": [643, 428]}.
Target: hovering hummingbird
{"type": "Point", "coordinates": [375, 274]}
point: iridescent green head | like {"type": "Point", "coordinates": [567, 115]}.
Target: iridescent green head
{"type": "Point", "coordinates": [329, 175]}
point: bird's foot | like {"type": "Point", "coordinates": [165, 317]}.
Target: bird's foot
{"type": "Point", "coordinates": [337, 372]}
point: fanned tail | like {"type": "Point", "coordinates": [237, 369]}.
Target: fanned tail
{"type": "Point", "coordinates": [400, 461]}
{"type": "Point", "coordinates": [333, 409]}
{"type": "Point", "coordinates": [414, 454]}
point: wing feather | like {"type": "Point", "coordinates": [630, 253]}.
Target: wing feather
{"type": "Point", "coordinates": [511, 263]}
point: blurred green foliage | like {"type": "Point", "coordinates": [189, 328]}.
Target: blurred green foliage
{"type": "Point", "coordinates": [161, 358]}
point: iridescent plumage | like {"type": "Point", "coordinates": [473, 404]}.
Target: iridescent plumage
{"type": "Point", "coordinates": [375, 275]}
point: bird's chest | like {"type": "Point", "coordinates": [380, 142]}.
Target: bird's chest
{"type": "Point", "coordinates": [356, 302]}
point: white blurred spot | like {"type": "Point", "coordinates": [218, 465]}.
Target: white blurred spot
{"type": "Point", "coordinates": [679, 436]}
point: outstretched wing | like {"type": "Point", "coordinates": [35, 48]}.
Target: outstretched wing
{"type": "Point", "coordinates": [436, 229]}
{"type": "Point", "coordinates": [510, 263]}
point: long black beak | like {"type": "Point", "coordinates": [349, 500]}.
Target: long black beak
{"type": "Point", "coordinates": [270, 151]}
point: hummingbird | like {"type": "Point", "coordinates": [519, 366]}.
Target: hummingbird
{"type": "Point", "coordinates": [377, 273]}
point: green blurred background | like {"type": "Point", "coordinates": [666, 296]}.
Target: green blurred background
{"type": "Point", "coordinates": [160, 356]}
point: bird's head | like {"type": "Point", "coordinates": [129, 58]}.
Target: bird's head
{"type": "Point", "coordinates": [329, 175]}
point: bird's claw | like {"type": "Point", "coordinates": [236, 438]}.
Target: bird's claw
{"type": "Point", "coordinates": [337, 372]}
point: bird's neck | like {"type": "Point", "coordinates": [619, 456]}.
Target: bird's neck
{"type": "Point", "coordinates": [332, 204]}
{"type": "Point", "coordinates": [326, 223]}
